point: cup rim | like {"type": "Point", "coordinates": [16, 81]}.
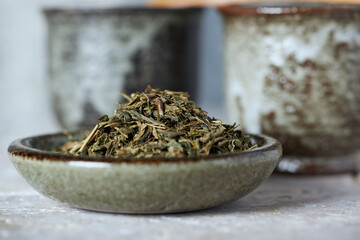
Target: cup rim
{"type": "Point", "coordinates": [91, 10]}
{"type": "Point", "coordinates": [287, 9]}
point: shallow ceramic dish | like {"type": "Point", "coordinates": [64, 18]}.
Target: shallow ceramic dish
{"type": "Point", "coordinates": [142, 186]}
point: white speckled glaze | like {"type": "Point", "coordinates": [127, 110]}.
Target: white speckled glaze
{"type": "Point", "coordinates": [142, 186]}
{"type": "Point", "coordinates": [94, 54]}
{"type": "Point", "coordinates": [293, 73]}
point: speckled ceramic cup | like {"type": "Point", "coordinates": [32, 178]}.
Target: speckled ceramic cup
{"type": "Point", "coordinates": [139, 185]}
{"type": "Point", "coordinates": [94, 54]}
{"type": "Point", "coordinates": [293, 73]}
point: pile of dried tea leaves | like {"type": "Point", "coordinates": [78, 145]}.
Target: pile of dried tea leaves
{"type": "Point", "coordinates": [159, 124]}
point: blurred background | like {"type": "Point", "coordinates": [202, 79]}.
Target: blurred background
{"type": "Point", "coordinates": [285, 69]}
{"type": "Point", "coordinates": [26, 92]}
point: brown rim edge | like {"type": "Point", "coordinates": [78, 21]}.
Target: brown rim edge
{"type": "Point", "coordinates": [18, 148]}
{"type": "Point", "coordinates": [236, 10]}
{"type": "Point", "coordinates": [89, 10]}
{"type": "Point", "coordinates": [219, 3]}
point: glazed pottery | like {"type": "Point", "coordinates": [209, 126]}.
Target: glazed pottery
{"type": "Point", "coordinates": [292, 72]}
{"type": "Point", "coordinates": [94, 54]}
{"type": "Point", "coordinates": [142, 185]}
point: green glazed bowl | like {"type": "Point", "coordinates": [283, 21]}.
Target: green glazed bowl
{"type": "Point", "coordinates": [128, 185]}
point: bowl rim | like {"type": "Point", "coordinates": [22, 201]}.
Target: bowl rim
{"type": "Point", "coordinates": [21, 148]}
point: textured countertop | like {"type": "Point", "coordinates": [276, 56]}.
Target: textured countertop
{"type": "Point", "coordinates": [284, 207]}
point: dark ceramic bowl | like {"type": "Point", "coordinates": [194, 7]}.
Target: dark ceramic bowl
{"type": "Point", "coordinates": [94, 54]}
{"type": "Point", "coordinates": [138, 185]}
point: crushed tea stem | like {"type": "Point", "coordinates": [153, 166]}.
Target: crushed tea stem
{"type": "Point", "coordinates": [88, 138]}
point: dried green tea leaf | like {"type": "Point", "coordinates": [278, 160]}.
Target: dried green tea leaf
{"type": "Point", "coordinates": [158, 123]}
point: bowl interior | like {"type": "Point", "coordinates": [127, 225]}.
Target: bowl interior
{"type": "Point", "coordinates": [44, 146]}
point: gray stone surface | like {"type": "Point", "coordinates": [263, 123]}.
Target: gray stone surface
{"type": "Point", "coordinates": [284, 207]}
